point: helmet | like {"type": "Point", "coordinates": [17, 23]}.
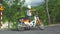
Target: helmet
{"type": "Point", "coordinates": [29, 6]}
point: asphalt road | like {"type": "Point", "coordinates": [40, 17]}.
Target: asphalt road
{"type": "Point", "coordinates": [47, 30]}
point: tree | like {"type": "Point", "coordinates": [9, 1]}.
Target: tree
{"type": "Point", "coordinates": [54, 9]}
{"type": "Point", "coordinates": [46, 2]}
{"type": "Point", "coordinates": [10, 11]}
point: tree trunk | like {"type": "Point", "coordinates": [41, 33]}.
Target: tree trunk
{"type": "Point", "coordinates": [8, 24]}
{"type": "Point", "coordinates": [46, 2]}
{"type": "Point", "coordinates": [54, 20]}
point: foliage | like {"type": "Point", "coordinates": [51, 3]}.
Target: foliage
{"type": "Point", "coordinates": [12, 13]}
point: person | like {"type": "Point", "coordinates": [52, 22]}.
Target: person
{"type": "Point", "coordinates": [28, 15]}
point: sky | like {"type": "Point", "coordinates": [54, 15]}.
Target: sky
{"type": "Point", "coordinates": [33, 2]}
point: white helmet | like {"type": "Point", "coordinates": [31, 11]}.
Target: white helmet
{"type": "Point", "coordinates": [29, 6]}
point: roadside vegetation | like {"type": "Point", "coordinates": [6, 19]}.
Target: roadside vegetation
{"type": "Point", "coordinates": [14, 12]}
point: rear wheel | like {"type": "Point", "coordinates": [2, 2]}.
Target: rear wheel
{"type": "Point", "coordinates": [19, 26]}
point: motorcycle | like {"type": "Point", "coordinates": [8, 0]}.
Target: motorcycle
{"type": "Point", "coordinates": [26, 24]}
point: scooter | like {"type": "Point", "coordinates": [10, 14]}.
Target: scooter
{"type": "Point", "coordinates": [26, 24]}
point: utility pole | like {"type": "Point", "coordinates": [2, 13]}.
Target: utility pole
{"type": "Point", "coordinates": [46, 2]}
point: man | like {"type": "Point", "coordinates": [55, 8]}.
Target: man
{"type": "Point", "coordinates": [29, 11]}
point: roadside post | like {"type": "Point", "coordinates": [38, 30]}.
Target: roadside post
{"type": "Point", "coordinates": [1, 9]}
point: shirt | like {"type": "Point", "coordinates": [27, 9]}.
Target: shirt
{"type": "Point", "coordinates": [28, 12]}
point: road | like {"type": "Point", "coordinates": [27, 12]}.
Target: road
{"type": "Point", "coordinates": [47, 30]}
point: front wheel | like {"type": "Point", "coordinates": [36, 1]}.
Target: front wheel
{"type": "Point", "coordinates": [41, 27]}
